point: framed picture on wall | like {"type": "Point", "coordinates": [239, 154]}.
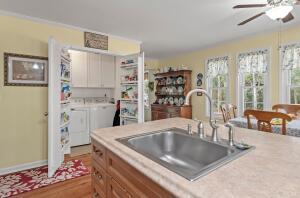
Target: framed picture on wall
{"type": "Point", "coordinates": [25, 70]}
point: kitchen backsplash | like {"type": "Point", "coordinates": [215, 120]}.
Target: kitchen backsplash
{"type": "Point", "coordinates": [92, 92]}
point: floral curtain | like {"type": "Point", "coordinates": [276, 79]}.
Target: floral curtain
{"type": "Point", "coordinates": [254, 62]}
{"type": "Point", "coordinates": [217, 66]}
{"type": "Point", "coordinates": [291, 56]}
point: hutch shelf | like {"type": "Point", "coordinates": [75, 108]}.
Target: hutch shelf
{"type": "Point", "coordinates": [171, 90]}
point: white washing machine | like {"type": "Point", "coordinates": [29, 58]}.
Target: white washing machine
{"type": "Point", "coordinates": [101, 115]}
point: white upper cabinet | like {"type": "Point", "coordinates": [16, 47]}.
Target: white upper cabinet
{"type": "Point", "coordinates": [79, 68]}
{"type": "Point", "coordinates": [108, 71]}
{"type": "Point", "coordinates": [94, 70]}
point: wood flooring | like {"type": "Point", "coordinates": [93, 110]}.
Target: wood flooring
{"type": "Point", "coordinates": [73, 188]}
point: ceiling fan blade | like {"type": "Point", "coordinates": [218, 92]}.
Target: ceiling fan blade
{"type": "Point", "coordinates": [250, 6]}
{"type": "Point", "coordinates": [252, 18]}
{"type": "Point", "coordinates": [288, 18]}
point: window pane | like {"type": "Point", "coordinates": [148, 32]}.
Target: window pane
{"type": "Point", "coordinates": [260, 95]}
{"type": "Point", "coordinates": [248, 79]}
{"type": "Point", "coordinates": [295, 77]}
{"type": "Point", "coordinates": [215, 106]}
{"type": "Point", "coordinates": [295, 95]}
{"type": "Point", "coordinates": [222, 96]}
{"type": "Point", "coordinates": [248, 95]}
{"type": "Point", "coordinates": [260, 106]}
{"type": "Point", "coordinates": [214, 94]}
{"type": "Point", "coordinates": [223, 82]}
{"type": "Point", "coordinates": [248, 105]}
{"type": "Point", "coordinates": [259, 77]}
{"type": "Point", "coordinates": [215, 82]}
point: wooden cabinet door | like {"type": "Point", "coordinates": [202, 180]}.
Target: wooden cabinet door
{"type": "Point", "coordinates": [159, 115]}
{"type": "Point", "coordinates": [108, 71]}
{"type": "Point", "coordinates": [94, 70]}
{"type": "Point", "coordinates": [78, 68]}
{"type": "Point", "coordinates": [115, 190]}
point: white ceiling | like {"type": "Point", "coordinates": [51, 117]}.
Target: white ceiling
{"type": "Point", "coordinates": [166, 27]}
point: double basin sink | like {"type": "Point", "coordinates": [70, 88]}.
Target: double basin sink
{"type": "Point", "coordinates": [186, 155]}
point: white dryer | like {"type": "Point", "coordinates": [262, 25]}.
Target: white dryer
{"type": "Point", "coordinates": [101, 115]}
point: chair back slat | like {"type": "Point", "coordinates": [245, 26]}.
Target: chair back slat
{"type": "Point", "coordinates": [229, 111]}
{"type": "Point", "coordinates": [264, 119]}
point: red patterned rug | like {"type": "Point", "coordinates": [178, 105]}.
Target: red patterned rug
{"type": "Point", "coordinates": [24, 181]}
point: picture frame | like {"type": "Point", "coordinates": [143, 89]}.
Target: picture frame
{"type": "Point", "coordinates": [96, 41]}
{"type": "Point", "coordinates": [25, 70]}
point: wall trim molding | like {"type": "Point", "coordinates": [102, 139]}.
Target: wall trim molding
{"type": "Point", "coordinates": [48, 22]}
{"type": "Point", "coordinates": [21, 167]}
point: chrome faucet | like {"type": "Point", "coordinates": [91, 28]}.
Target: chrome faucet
{"type": "Point", "coordinates": [212, 121]}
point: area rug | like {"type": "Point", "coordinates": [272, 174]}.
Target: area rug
{"type": "Point", "coordinates": [27, 180]}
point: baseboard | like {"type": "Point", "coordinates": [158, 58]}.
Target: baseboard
{"type": "Point", "coordinates": [21, 167]}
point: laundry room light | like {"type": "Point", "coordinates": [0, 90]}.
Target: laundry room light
{"type": "Point", "coordinates": [279, 12]}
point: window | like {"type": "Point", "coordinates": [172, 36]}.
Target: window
{"type": "Point", "coordinates": [253, 80]}
{"type": "Point", "coordinates": [290, 86]}
{"type": "Point", "coordinates": [217, 82]}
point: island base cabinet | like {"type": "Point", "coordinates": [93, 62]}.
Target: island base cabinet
{"type": "Point", "coordinates": [116, 178]}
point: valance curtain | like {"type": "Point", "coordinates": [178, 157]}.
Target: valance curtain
{"type": "Point", "coordinates": [217, 66]}
{"type": "Point", "coordinates": [254, 62]}
{"type": "Point", "coordinates": [290, 56]}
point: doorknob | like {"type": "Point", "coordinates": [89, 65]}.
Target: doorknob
{"type": "Point", "coordinates": [46, 114]}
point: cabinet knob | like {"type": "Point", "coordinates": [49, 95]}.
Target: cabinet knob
{"type": "Point", "coordinates": [99, 152]}
{"type": "Point", "coordinates": [97, 174]}
{"type": "Point", "coordinates": [95, 195]}
{"type": "Point", "coordinates": [46, 114]}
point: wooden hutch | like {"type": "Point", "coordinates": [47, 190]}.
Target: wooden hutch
{"type": "Point", "coordinates": [171, 90]}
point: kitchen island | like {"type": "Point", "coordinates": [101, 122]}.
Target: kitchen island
{"type": "Point", "coordinates": [270, 170]}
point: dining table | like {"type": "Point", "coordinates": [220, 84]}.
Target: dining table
{"type": "Point", "coordinates": [292, 127]}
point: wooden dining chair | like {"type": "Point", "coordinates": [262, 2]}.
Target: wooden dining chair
{"type": "Point", "coordinates": [229, 111]}
{"type": "Point", "coordinates": [264, 119]}
{"type": "Point", "coordinates": [287, 108]}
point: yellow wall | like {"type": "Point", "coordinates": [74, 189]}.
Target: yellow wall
{"type": "Point", "coordinates": [151, 63]}
{"type": "Point", "coordinates": [196, 61]}
{"type": "Point", "coordinates": [23, 128]}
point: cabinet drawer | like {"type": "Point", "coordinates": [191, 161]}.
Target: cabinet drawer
{"type": "Point", "coordinates": [99, 154]}
{"type": "Point", "coordinates": [99, 179]}
{"type": "Point", "coordinates": [114, 189]}
{"type": "Point", "coordinates": [134, 183]}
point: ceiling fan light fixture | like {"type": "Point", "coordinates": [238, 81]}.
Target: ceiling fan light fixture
{"type": "Point", "coordinates": [279, 12]}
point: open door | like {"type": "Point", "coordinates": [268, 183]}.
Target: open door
{"type": "Point", "coordinates": [131, 73]}
{"type": "Point", "coordinates": [55, 152]}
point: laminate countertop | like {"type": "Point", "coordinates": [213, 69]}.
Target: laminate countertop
{"type": "Point", "coordinates": [272, 169]}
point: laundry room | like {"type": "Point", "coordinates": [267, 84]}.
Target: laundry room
{"type": "Point", "coordinates": [92, 104]}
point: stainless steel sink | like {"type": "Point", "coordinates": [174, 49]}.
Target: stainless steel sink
{"type": "Point", "coordinates": [186, 155]}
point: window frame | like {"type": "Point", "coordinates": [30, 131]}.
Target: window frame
{"type": "Point", "coordinates": [208, 86]}
{"type": "Point", "coordinates": [240, 79]}
{"type": "Point", "coordinates": [284, 78]}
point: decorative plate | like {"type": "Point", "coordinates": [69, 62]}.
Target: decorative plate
{"type": "Point", "coordinates": [180, 90]}
{"type": "Point", "coordinates": [180, 80]}
{"type": "Point", "coordinates": [169, 81]}
{"type": "Point", "coordinates": [181, 101]}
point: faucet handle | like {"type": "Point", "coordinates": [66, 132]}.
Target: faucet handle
{"type": "Point", "coordinates": [200, 128]}
{"type": "Point", "coordinates": [230, 133]}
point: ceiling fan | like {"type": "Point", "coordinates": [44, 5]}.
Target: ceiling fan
{"type": "Point", "coordinates": [278, 10]}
